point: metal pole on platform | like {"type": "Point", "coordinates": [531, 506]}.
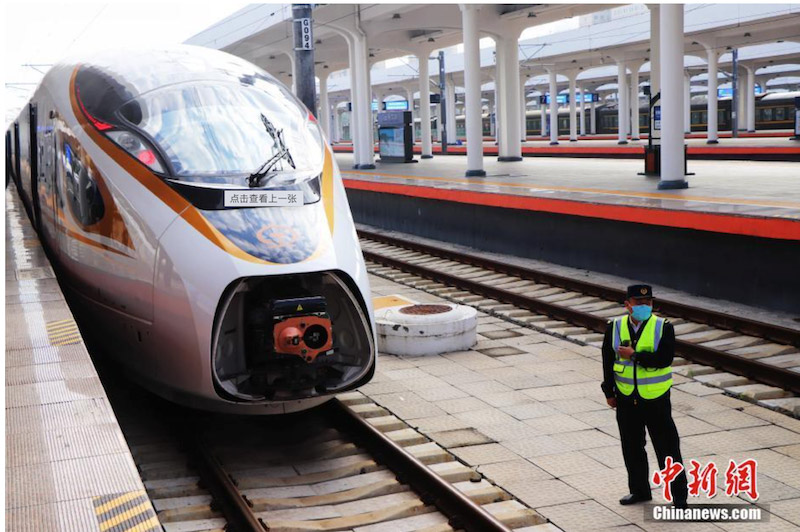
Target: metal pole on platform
{"type": "Point", "coordinates": [304, 55]}
{"type": "Point", "coordinates": [443, 102]}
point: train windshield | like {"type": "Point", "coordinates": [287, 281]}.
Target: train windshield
{"type": "Point", "coordinates": [216, 131]}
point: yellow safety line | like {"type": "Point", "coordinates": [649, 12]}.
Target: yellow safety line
{"type": "Point", "coordinates": [62, 343]}
{"type": "Point", "coordinates": [63, 337]}
{"type": "Point", "coordinates": [62, 328]}
{"type": "Point", "coordinates": [124, 516]}
{"type": "Point", "coordinates": [117, 501]}
{"type": "Point", "coordinates": [59, 323]}
{"type": "Point", "coordinates": [655, 195]}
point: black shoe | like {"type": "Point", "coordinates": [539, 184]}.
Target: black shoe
{"type": "Point", "coordinates": [633, 498]}
{"type": "Point", "coordinates": [680, 504]}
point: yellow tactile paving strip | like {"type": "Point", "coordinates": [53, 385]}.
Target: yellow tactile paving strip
{"type": "Point", "coordinates": [63, 332]}
{"type": "Point", "coordinates": [390, 301]}
{"type": "Point", "coordinates": [125, 512]}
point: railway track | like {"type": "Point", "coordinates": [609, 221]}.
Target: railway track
{"type": "Point", "coordinates": [732, 352]}
{"type": "Point", "coordinates": [349, 465]}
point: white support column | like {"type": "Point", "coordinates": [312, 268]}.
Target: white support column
{"type": "Point", "coordinates": [573, 117]}
{"type": "Point", "coordinates": [593, 118]}
{"type": "Point", "coordinates": [363, 128]}
{"type": "Point", "coordinates": [524, 108]}
{"type": "Point", "coordinates": [355, 101]}
{"type": "Point", "coordinates": [622, 102]}
{"type": "Point", "coordinates": [410, 100]}
{"type": "Point", "coordinates": [553, 106]}
{"type": "Point", "coordinates": [451, 111]}
{"type": "Point", "coordinates": [633, 99]}
{"type": "Point", "coordinates": [712, 132]}
{"type": "Point", "coordinates": [751, 98]}
{"type": "Point", "coordinates": [687, 103]}
{"type": "Point", "coordinates": [324, 114]}
{"type": "Point", "coordinates": [742, 105]}
{"type": "Point", "coordinates": [510, 147]}
{"type": "Point", "coordinates": [492, 117]}
{"type": "Point", "coordinates": [543, 114]}
{"type": "Point", "coordinates": [672, 154]}
{"type": "Point", "coordinates": [337, 118]}
{"type": "Point", "coordinates": [425, 105]}
{"type": "Point", "coordinates": [498, 95]}
{"type": "Point", "coordinates": [655, 48]}
{"type": "Point", "coordinates": [472, 87]}
{"type": "Point", "coordinates": [582, 120]}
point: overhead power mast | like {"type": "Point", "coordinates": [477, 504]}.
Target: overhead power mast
{"type": "Point", "coordinates": [305, 82]}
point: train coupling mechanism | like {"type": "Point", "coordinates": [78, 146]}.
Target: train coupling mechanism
{"type": "Point", "coordinates": [301, 327]}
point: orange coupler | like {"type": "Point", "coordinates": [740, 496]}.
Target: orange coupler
{"type": "Point", "coordinates": [302, 327]}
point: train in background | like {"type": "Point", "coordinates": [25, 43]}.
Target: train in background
{"type": "Point", "coordinates": [773, 111]}
{"type": "Point", "coordinates": [195, 211]}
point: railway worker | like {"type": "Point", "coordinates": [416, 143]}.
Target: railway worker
{"type": "Point", "coordinates": [638, 349]}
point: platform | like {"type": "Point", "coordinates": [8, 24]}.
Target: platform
{"type": "Point", "coordinates": [762, 147]}
{"type": "Point", "coordinates": [737, 225]}
{"type": "Point", "coordinates": [67, 464]}
{"type": "Point", "coordinates": [525, 409]}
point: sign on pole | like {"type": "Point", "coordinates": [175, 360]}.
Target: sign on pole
{"type": "Point", "coordinates": [306, 35]}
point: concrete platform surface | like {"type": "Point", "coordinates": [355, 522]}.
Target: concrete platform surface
{"type": "Point", "coordinates": [67, 464]}
{"type": "Point", "coordinates": [525, 409]}
{"type": "Point", "coordinates": [742, 188]}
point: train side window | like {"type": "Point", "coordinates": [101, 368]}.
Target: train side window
{"type": "Point", "coordinates": [768, 114]}
{"type": "Point", "coordinates": [83, 194]}
{"type": "Point", "coordinates": [780, 113]}
{"type": "Point", "coordinates": [696, 117]}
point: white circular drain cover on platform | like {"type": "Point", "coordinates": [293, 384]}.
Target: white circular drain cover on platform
{"type": "Point", "coordinates": [426, 329]}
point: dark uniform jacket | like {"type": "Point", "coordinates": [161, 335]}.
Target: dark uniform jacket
{"type": "Point", "coordinates": [660, 359]}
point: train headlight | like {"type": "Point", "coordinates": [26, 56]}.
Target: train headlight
{"type": "Point", "coordinates": [137, 147]}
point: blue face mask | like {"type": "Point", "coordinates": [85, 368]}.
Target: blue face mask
{"type": "Point", "coordinates": [641, 312]}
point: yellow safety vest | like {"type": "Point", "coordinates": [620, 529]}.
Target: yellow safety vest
{"type": "Point", "coordinates": [650, 382]}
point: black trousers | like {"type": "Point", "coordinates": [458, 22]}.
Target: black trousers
{"type": "Point", "coordinates": [656, 415]}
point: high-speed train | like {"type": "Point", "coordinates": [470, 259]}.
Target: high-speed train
{"type": "Point", "coordinates": [196, 211]}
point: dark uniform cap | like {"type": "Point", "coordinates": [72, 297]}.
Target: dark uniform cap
{"type": "Point", "coordinates": [640, 290]}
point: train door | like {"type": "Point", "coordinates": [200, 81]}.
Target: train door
{"type": "Point", "coordinates": [34, 162]}
{"type": "Point", "coordinates": [47, 173]}
{"type": "Point", "coordinates": [8, 157]}
{"type": "Point", "coordinates": [16, 153]}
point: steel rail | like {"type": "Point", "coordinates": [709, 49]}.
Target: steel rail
{"type": "Point", "coordinates": [462, 512]}
{"type": "Point", "coordinates": [226, 495]}
{"type": "Point", "coordinates": [782, 335]}
{"type": "Point", "coordinates": [752, 369]}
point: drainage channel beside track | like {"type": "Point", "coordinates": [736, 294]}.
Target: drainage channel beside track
{"type": "Point", "coordinates": [754, 360]}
